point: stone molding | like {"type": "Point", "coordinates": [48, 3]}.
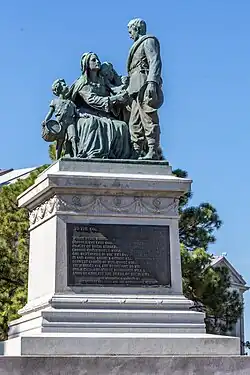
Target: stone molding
{"type": "Point", "coordinates": [44, 210]}
{"type": "Point", "coordinates": [115, 205]}
{"type": "Point", "coordinates": [119, 205]}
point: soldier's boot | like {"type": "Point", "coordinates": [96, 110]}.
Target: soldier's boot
{"type": "Point", "coordinates": [152, 153]}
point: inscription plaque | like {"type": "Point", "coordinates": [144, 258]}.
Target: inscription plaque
{"type": "Point", "coordinates": [118, 255]}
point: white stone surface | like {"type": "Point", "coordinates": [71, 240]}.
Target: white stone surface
{"type": "Point", "coordinates": [70, 191]}
{"type": "Point", "coordinates": [106, 320]}
{"type": "Point", "coordinates": [110, 313]}
{"type": "Point", "coordinates": [42, 260]}
{"type": "Point", "coordinates": [123, 344]}
{"type": "Point", "coordinates": [100, 178]}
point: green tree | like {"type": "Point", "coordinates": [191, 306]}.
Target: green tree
{"type": "Point", "coordinates": [208, 287]}
{"type": "Point", "coordinates": [197, 225]}
{"type": "Point", "coordinates": [14, 244]}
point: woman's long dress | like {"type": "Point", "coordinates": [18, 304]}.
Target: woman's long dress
{"type": "Point", "coordinates": [100, 134]}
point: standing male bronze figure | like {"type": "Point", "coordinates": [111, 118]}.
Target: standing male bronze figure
{"type": "Point", "coordinates": [144, 70]}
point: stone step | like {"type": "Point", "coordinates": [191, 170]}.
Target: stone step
{"type": "Point", "coordinates": [124, 344]}
{"type": "Point", "coordinates": [114, 316]}
{"type": "Point", "coordinates": [76, 327]}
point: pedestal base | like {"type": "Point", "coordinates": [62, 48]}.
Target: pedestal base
{"type": "Point", "coordinates": [102, 313]}
{"type": "Point", "coordinates": [125, 344]}
{"type": "Point", "coordinates": [115, 325]}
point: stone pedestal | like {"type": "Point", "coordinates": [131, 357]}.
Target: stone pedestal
{"type": "Point", "coordinates": [105, 269]}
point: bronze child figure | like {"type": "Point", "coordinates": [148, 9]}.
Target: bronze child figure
{"type": "Point", "coordinates": [65, 113]}
{"type": "Point", "coordinates": [116, 83]}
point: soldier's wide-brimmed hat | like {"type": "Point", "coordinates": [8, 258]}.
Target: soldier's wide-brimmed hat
{"type": "Point", "coordinates": [151, 104]}
{"type": "Point", "coordinates": [52, 131]}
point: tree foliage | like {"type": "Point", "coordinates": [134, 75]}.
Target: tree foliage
{"type": "Point", "coordinates": [209, 288]}
{"type": "Point", "coordinates": [14, 244]}
{"type": "Point", "coordinates": [198, 224]}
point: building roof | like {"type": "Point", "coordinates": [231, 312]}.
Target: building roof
{"type": "Point", "coordinates": [12, 175]}
{"type": "Point", "coordinates": [3, 171]}
{"type": "Point", "coordinates": [237, 279]}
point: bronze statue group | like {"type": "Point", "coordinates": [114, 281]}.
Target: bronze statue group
{"type": "Point", "coordinates": [104, 115]}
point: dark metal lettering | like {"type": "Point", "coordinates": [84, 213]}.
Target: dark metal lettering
{"type": "Point", "coordinates": [123, 255]}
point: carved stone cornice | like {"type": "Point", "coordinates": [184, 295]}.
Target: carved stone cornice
{"type": "Point", "coordinates": [44, 210]}
{"type": "Point", "coordinates": [119, 205]}
{"type": "Point", "coordinates": [112, 205]}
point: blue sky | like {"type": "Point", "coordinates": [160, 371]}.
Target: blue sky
{"type": "Point", "coordinates": [205, 120]}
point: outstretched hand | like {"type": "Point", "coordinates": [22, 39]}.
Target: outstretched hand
{"type": "Point", "coordinates": [120, 98]}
